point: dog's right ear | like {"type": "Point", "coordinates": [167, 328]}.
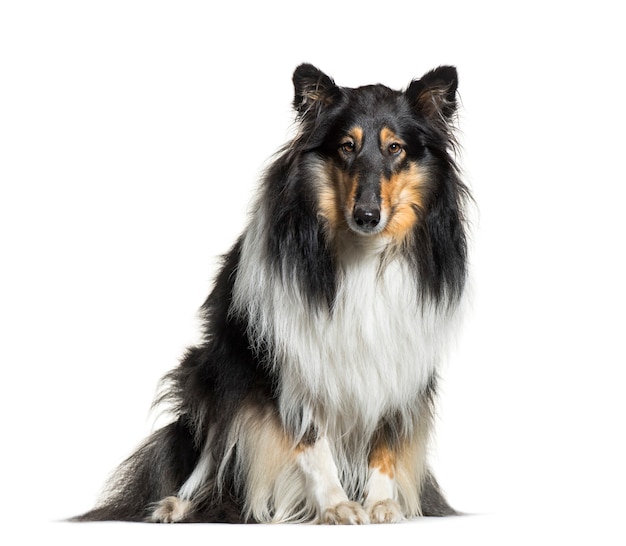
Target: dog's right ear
{"type": "Point", "coordinates": [314, 90]}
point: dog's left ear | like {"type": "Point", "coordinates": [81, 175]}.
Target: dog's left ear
{"type": "Point", "coordinates": [313, 89]}
{"type": "Point", "coordinates": [435, 93]}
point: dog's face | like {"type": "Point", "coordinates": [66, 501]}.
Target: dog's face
{"type": "Point", "coordinates": [377, 148]}
{"type": "Point", "coordinates": [375, 182]}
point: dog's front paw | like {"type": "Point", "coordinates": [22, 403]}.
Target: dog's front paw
{"type": "Point", "coordinates": [170, 510]}
{"type": "Point", "coordinates": [345, 513]}
{"type": "Point", "coordinates": [385, 511]}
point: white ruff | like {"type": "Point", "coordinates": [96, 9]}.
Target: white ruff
{"type": "Point", "coordinates": [343, 370]}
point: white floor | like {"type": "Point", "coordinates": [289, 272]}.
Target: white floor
{"type": "Point", "coordinates": [482, 530]}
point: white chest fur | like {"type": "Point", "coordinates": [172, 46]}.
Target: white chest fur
{"type": "Point", "coordinates": [345, 368]}
{"type": "Point", "coordinates": [369, 357]}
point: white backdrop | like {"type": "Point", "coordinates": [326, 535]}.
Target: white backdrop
{"type": "Point", "coordinates": [131, 138]}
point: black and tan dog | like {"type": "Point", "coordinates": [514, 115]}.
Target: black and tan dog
{"type": "Point", "coordinates": [310, 397]}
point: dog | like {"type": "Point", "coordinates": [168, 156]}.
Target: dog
{"type": "Point", "coordinates": [310, 397]}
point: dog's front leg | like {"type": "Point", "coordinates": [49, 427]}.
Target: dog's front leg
{"type": "Point", "coordinates": [380, 500]}
{"type": "Point", "coordinates": [324, 488]}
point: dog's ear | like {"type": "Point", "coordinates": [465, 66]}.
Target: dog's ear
{"type": "Point", "coordinates": [434, 95]}
{"type": "Point", "coordinates": [313, 89]}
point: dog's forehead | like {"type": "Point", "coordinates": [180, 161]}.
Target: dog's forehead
{"type": "Point", "coordinates": [373, 106]}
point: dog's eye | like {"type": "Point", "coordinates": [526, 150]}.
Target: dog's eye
{"type": "Point", "coordinates": [347, 147]}
{"type": "Point", "coordinates": [394, 148]}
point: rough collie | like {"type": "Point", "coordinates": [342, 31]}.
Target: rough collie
{"type": "Point", "coordinates": [310, 397]}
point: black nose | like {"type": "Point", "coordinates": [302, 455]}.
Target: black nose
{"type": "Point", "coordinates": [366, 218]}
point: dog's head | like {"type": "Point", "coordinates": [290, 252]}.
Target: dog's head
{"type": "Point", "coordinates": [378, 152]}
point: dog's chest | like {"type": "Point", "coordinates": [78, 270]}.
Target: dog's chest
{"type": "Point", "coordinates": [371, 355]}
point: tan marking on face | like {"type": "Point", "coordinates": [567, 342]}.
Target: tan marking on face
{"type": "Point", "coordinates": [336, 197]}
{"type": "Point", "coordinates": [353, 137]}
{"type": "Point", "coordinates": [383, 458]}
{"type": "Point", "coordinates": [327, 196]}
{"type": "Point", "coordinates": [401, 195]}
{"type": "Point", "coordinates": [356, 133]}
{"type": "Point", "coordinates": [388, 137]}
{"type": "Point", "coordinates": [337, 189]}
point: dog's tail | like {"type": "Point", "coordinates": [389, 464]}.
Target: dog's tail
{"type": "Point", "coordinates": [156, 470]}
{"type": "Point", "coordinates": [433, 500]}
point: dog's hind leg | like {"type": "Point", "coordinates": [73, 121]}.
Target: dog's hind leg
{"type": "Point", "coordinates": [177, 508]}
{"type": "Point", "coordinates": [170, 510]}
